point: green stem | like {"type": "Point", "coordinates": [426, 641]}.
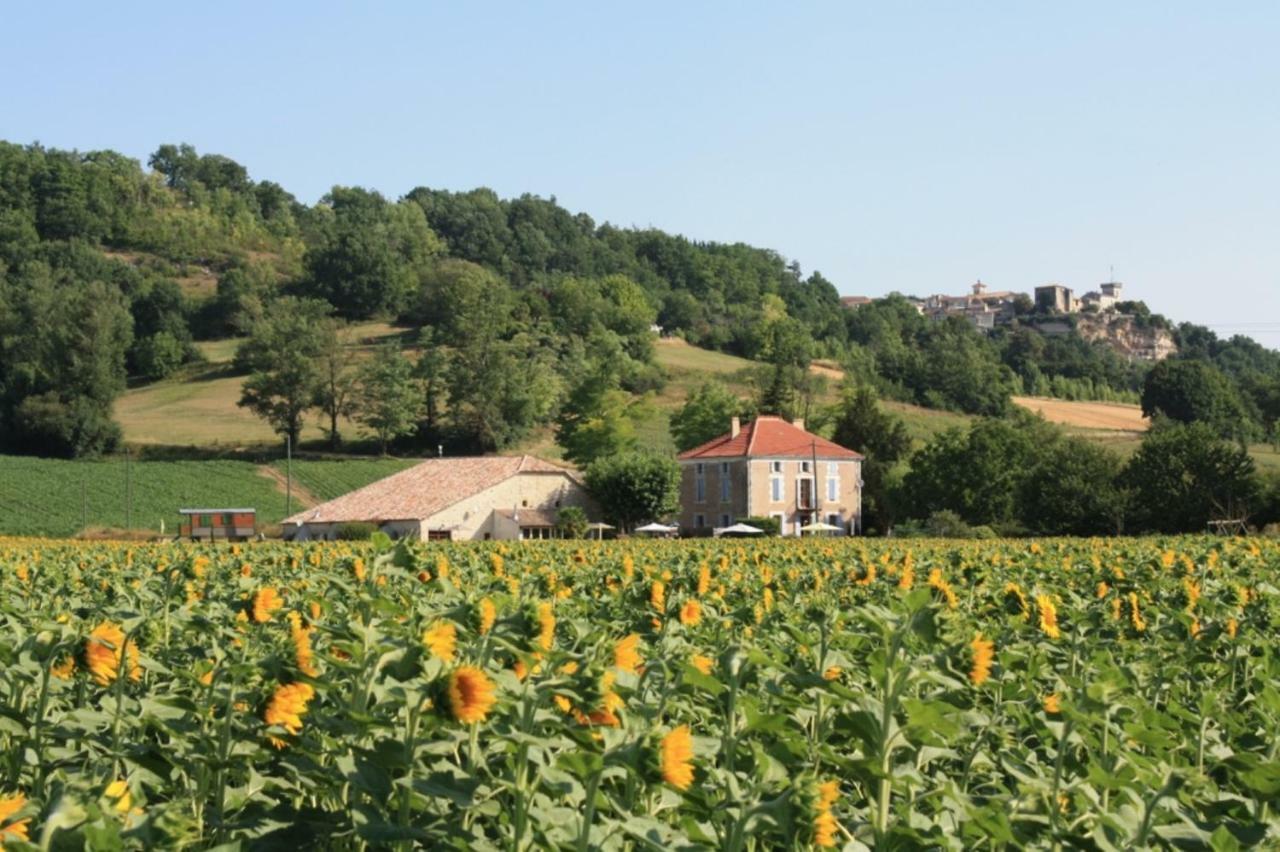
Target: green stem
{"type": "Point", "coordinates": [38, 728]}
{"type": "Point", "coordinates": [406, 792]}
{"type": "Point", "coordinates": [1057, 782]}
{"type": "Point", "coordinates": [224, 754]}
{"type": "Point", "coordinates": [589, 812]}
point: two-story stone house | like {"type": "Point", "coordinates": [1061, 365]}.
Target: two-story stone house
{"type": "Point", "coordinates": [770, 468]}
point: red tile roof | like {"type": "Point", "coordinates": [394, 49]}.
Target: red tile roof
{"type": "Point", "coordinates": [770, 437]}
{"type": "Point", "coordinates": [423, 490]}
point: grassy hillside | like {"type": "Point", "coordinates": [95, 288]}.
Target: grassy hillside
{"type": "Point", "coordinates": [198, 407]}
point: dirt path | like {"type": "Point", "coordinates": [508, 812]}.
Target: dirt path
{"type": "Point", "coordinates": [303, 498]}
{"type": "Point", "coordinates": [1114, 416]}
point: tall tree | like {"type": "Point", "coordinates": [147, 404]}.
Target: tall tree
{"type": "Point", "coordinates": [432, 371]}
{"type": "Point", "coordinates": [1194, 391]}
{"type": "Point", "coordinates": [861, 424]}
{"type": "Point", "coordinates": [705, 415]}
{"type": "Point", "coordinates": [369, 254]}
{"type": "Point", "coordinates": [335, 395]}
{"type": "Point", "coordinates": [62, 362]}
{"type": "Point", "coordinates": [390, 398]}
{"type": "Point", "coordinates": [283, 353]}
{"type": "Point", "coordinates": [1072, 489]}
{"type": "Point", "coordinates": [634, 487]}
{"type": "Point", "coordinates": [500, 389]}
{"type": "Point", "coordinates": [1185, 475]}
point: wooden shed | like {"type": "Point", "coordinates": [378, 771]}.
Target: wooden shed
{"type": "Point", "coordinates": [212, 524]}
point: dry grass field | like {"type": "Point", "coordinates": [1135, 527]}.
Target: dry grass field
{"type": "Point", "coordinates": [1111, 416]}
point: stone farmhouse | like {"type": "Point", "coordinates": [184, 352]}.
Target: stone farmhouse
{"type": "Point", "coordinates": [478, 498]}
{"type": "Point", "coordinates": [770, 468]}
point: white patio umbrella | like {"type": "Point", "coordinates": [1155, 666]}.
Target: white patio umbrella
{"type": "Point", "coordinates": [598, 528]}
{"type": "Point", "coordinates": [819, 526]}
{"type": "Point", "coordinates": [737, 529]}
{"type": "Point", "coordinates": [655, 527]}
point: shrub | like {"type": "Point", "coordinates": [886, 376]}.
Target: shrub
{"type": "Point", "coordinates": [355, 532]}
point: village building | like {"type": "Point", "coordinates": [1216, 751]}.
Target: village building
{"type": "Point", "coordinates": [770, 468]}
{"type": "Point", "coordinates": [1056, 299]}
{"type": "Point", "coordinates": [983, 308]}
{"type": "Point", "coordinates": [1105, 298]}
{"type": "Point", "coordinates": [476, 498]}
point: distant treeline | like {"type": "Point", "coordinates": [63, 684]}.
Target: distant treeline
{"type": "Point", "coordinates": [528, 314]}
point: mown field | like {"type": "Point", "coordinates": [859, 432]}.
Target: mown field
{"type": "Point", "coordinates": [1091, 694]}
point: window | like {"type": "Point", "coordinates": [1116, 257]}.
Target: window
{"type": "Point", "coordinates": [833, 488]}
{"type": "Point", "coordinates": [775, 489]}
{"type": "Point", "coordinates": [836, 521]}
{"type": "Point", "coordinates": [700, 488]}
{"type": "Point", "coordinates": [781, 517]}
{"type": "Point", "coordinates": [775, 467]}
{"type": "Point", "coordinates": [700, 468]}
{"type": "Point", "coordinates": [804, 467]}
{"type": "Point", "coordinates": [726, 483]}
{"type": "Point", "coordinates": [726, 521]}
{"type": "Point", "coordinates": [699, 521]}
{"type": "Point", "coordinates": [804, 493]}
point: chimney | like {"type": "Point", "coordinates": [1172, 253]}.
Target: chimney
{"type": "Point", "coordinates": [735, 427]}
{"type": "Point", "coordinates": [798, 422]}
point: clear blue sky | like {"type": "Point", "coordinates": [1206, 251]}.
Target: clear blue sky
{"type": "Point", "coordinates": [907, 146]}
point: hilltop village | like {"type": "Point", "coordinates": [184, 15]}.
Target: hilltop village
{"type": "Point", "coordinates": [1053, 309]}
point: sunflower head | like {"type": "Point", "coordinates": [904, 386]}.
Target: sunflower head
{"type": "Point", "coordinates": [816, 799]}
{"type": "Point", "coordinates": [441, 638]}
{"type": "Point", "coordinates": [12, 828]}
{"type": "Point", "coordinates": [675, 757]}
{"type": "Point", "coordinates": [626, 654]}
{"type": "Point", "coordinates": [471, 695]}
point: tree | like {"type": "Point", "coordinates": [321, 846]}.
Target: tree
{"type": "Point", "coordinates": [634, 487]}
{"type": "Point", "coordinates": [860, 424]}
{"type": "Point", "coordinates": [390, 399]}
{"type": "Point", "coordinates": [572, 522]}
{"type": "Point", "coordinates": [1072, 489]}
{"type": "Point", "coordinates": [159, 355]}
{"type": "Point", "coordinates": [369, 255]}
{"type": "Point", "coordinates": [705, 415]}
{"type": "Point", "coordinates": [431, 371]}
{"type": "Point", "coordinates": [500, 389]}
{"type": "Point", "coordinates": [1194, 391]}
{"type": "Point", "coordinates": [976, 474]}
{"type": "Point", "coordinates": [62, 362]}
{"type": "Point", "coordinates": [284, 353]}
{"type": "Point", "coordinates": [335, 395]}
{"type": "Point", "coordinates": [598, 417]}
{"type": "Point", "coordinates": [1185, 475]}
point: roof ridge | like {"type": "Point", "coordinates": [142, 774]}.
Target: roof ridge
{"type": "Point", "coordinates": [751, 439]}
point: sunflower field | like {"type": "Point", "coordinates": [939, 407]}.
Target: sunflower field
{"type": "Point", "coordinates": [1096, 694]}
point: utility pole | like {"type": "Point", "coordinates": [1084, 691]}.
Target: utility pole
{"type": "Point", "coordinates": [288, 475]}
{"type": "Point", "coordinates": [817, 501]}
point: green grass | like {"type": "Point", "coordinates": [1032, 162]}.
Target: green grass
{"type": "Point", "coordinates": [326, 479]}
{"type": "Point", "coordinates": [44, 496]}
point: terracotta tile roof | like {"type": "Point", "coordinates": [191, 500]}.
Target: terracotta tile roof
{"type": "Point", "coordinates": [423, 490]}
{"type": "Point", "coordinates": [770, 437]}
